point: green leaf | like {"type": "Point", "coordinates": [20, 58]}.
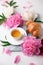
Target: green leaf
{"type": "Point", "coordinates": [15, 6]}
{"type": "Point", "coordinates": [13, 3]}
{"type": "Point", "coordinates": [4, 5]}
{"type": "Point", "coordinates": [37, 20]}
{"type": "Point", "coordinates": [5, 43]}
{"type": "Point", "coordinates": [7, 2]}
{"type": "Point", "coordinates": [2, 18]}
{"type": "Point", "coordinates": [1, 22]}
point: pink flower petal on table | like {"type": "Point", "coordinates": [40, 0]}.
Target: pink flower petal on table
{"type": "Point", "coordinates": [31, 64]}
{"type": "Point", "coordinates": [29, 2]}
{"type": "Point", "coordinates": [7, 51]}
{"type": "Point", "coordinates": [30, 6]}
{"type": "Point", "coordinates": [17, 59]}
{"type": "Point", "coordinates": [24, 7]}
{"type": "Point", "coordinates": [3, 1]}
{"type": "Point", "coordinates": [3, 50]}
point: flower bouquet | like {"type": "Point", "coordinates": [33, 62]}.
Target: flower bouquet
{"type": "Point", "coordinates": [10, 20]}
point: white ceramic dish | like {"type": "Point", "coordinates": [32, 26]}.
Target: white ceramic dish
{"type": "Point", "coordinates": [3, 33]}
{"type": "Point", "coordinates": [16, 33]}
{"type": "Point", "coordinates": [14, 41]}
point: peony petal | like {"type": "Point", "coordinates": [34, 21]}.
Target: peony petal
{"type": "Point", "coordinates": [24, 7]}
{"type": "Point", "coordinates": [6, 51]}
{"type": "Point", "coordinates": [3, 1]}
{"type": "Point", "coordinates": [3, 50]}
{"type": "Point", "coordinates": [17, 59]}
{"type": "Point", "coordinates": [31, 64]}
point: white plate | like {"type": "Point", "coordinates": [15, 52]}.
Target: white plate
{"type": "Point", "coordinates": [14, 41]}
{"type": "Point", "coordinates": [3, 33]}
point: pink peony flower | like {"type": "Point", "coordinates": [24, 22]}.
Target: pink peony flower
{"type": "Point", "coordinates": [17, 59]}
{"type": "Point", "coordinates": [14, 20]}
{"type": "Point", "coordinates": [7, 51]}
{"type": "Point", "coordinates": [31, 46]}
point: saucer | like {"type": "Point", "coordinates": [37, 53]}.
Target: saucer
{"type": "Point", "coordinates": [14, 41]}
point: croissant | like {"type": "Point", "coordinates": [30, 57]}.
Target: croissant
{"type": "Point", "coordinates": [33, 28]}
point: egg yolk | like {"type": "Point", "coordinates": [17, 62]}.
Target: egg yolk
{"type": "Point", "coordinates": [15, 33]}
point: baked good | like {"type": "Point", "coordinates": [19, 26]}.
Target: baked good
{"type": "Point", "coordinates": [33, 28]}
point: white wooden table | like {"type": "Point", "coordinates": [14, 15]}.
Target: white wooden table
{"type": "Point", "coordinates": [25, 60]}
